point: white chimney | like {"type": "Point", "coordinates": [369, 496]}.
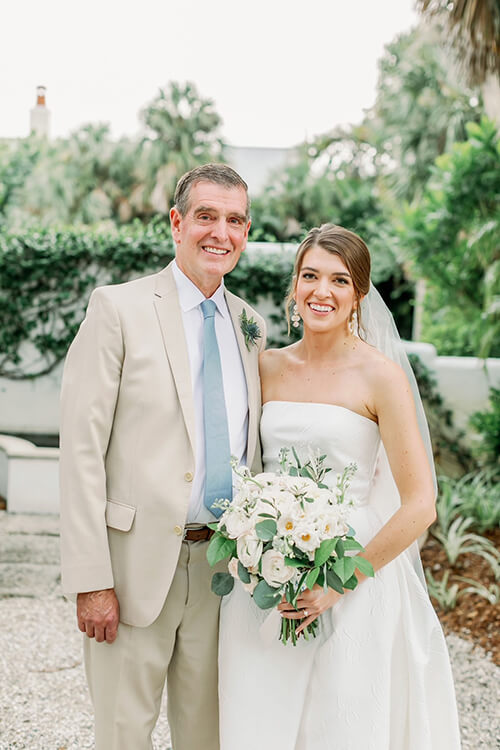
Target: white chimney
{"type": "Point", "coordinates": [40, 115]}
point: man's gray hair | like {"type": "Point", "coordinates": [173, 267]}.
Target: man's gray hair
{"type": "Point", "coordinates": [221, 174]}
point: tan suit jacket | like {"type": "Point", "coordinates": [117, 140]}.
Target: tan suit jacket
{"type": "Point", "coordinates": [128, 442]}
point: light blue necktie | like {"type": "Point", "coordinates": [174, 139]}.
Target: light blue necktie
{"type": "Point", "coordinates": [219, 481]}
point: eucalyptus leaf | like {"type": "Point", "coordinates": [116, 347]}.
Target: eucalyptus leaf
{"type": "Point", "coordinates": [222, 583]}
{"type": "Point", "coordinates": [266, 596]}
{"type": "Point", "coordinates": [243, 573]}
{"type": "Point", "coordinates": [266, 530]}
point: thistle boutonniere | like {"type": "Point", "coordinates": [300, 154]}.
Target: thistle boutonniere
{"type": "Point", "coordinates": [249, 329]}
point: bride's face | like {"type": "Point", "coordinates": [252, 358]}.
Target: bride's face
{"type": "Point", "coordinates": [324, 292]}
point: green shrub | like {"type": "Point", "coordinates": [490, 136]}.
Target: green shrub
{"type": "Point", "coordinates": [46, 278]}
{"type": "Point", "coordinates": [487, 424]}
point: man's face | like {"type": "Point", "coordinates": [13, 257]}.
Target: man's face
{"type": "Point", "coordinates": [212, 235]}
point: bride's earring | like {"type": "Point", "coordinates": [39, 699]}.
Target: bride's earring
{"type": "Point", "coordinates": [353, 323]}
{"type": "Point", "coordinates": [295, 316]}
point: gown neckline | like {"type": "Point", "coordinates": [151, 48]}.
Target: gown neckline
{"type": "Point", "coordinates": [320, 403]}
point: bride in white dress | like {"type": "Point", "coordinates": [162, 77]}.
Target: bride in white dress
{"type": "Point", "coordinates": [378, 676]}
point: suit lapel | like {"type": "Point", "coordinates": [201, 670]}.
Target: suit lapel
{"type": "Point", "coordinates": [251, 368]}
{"type": "Point", "coordinates": [166, 301]}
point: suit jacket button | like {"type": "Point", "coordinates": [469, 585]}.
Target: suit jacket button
{"type": "Point", "coordinates": [188, 476]}
{"type": "Point", "coordinates": [178, 530]}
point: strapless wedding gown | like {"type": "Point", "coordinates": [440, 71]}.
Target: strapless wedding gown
{"type": "Point", "coordinates": [378, 675]}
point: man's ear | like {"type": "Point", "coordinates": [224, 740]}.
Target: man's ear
{"type": "Point", "coordinates": [247, 231]}
{"type": "Point", "coordinates": [175, 223]}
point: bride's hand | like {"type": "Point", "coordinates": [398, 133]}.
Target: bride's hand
{"type": "Point", "coordinates": [310, 605]}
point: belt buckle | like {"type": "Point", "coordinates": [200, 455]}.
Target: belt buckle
{"type": "Point", "coordinates": [191, 527]}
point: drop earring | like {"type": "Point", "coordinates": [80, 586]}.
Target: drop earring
{"type": "Point", "coordinates": [295, 316]}
{"type": "Point", "coordinates": [353, 323]}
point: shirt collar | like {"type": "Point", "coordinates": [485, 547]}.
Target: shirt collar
{"type": "Point", "coordinates": [190, 296]}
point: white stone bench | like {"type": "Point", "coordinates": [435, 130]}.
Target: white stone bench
{"type": "Point", "coordinates": [29, 479]}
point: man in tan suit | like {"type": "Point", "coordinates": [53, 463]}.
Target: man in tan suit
{"type": "Point", "coordinates": [134, 460]}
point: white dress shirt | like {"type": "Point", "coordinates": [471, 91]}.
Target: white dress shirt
{"type": "Point", "coordinates": [233, 376]}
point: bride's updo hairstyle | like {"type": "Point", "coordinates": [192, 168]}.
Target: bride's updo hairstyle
{"type": "Point", "coordinates": [351, 250]}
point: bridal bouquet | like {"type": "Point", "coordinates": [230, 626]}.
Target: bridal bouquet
{"type": "Point", "coordinates": [287, 531]}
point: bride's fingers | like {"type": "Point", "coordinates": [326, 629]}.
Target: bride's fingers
{"type": "Point", "coordinates": [307, 602]}
{"type": "Point", "coordinates": [293, 614]}
{"type": "Point", "coordinates": [303, 625]}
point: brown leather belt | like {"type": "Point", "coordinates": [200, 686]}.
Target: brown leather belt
{"type": "Point", "coordinates": [202, 534]}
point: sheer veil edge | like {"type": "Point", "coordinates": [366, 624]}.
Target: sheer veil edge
{"type": "Point", "coordinates": [379, 329]}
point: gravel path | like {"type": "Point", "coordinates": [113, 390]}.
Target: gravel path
{"type": "Point", "coordinates": [44, 703]}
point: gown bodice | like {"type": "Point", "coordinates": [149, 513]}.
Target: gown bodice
{"type": "Point", "coordinates": [344, 436]}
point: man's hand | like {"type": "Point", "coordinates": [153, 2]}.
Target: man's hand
{"type": "Point", "coordinates": [98, 614]}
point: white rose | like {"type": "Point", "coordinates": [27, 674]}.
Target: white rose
{"type": "Point", "coordinates": [285, 501]}
{"type": "Point", "coordinates": [237, 522]}
{"type": "Point", "coordinates": [274, 570]}
{"type": "Point", "coordinates": [249, 550]}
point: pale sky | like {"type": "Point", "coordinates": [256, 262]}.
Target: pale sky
{"type": "Point", "coordinates": [278, 70]}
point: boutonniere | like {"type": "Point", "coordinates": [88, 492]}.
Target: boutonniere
{"type": "Point", "coordinates": [249, 329]}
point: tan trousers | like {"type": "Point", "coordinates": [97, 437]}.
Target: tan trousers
{"type": "Point", "coordinates": [126, 678]}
